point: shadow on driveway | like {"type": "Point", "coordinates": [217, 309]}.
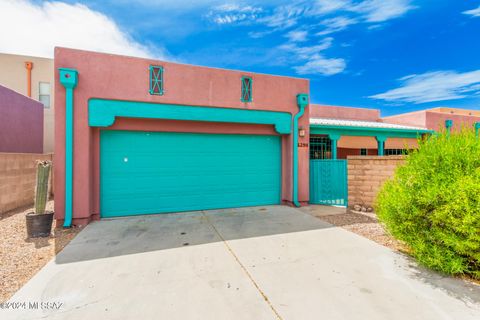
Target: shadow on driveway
{"type": "Point", "coordinates": [123, 236]}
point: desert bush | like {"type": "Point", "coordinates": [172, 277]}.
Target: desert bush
{"type": "Point", "coordinates": [432, 203]}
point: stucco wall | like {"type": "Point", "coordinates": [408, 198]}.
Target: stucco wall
{"type": "Point", "coordinates": [434, 119]}
{"type": "Point", "coordinates": [21, 123]}
{"type": "Point", "coordinates": [126, 78]}
{"type": "Point", "coordinates": [416, 119]}
{"type": "Point", "coordinates": [355, 143]}
{"type": "Point", "coordinates": [334, 112]}
{"type": "Point", "coordinates": [13, 75]}
{"type": "Point", "coordinates": [366, 174]}
{"type": "Point", "coordinates": [18, 178]}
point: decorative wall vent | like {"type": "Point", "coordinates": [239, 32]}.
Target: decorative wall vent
{"type": "Point", "coordinates": [247, 89]}
{"type": "Point", "coordinates": [156, 80]}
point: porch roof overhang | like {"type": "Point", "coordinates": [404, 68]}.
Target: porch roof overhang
{"type": "Point", "coordinates": [340, 127]}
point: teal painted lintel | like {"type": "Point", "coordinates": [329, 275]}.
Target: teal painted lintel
{"type": "Point", "coordinates": [302, 102]}
{"type": "Point", "coordinates": [69, 79]}
{"type": "Point", "coordinates": [102, 113]}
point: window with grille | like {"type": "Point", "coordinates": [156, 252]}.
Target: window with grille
{"type": "Point", "coordinates": [395, 152]}
{"type": "Point", "coordinates": [156, 80]}
{"type": "Point", "coordinates": [246, 89]}
{"type": "Point", "coordinates": [320, 147]}
{"type": "Point", "coordinates": [363, 152]}
{"type": "Point", "coordinates": [44, 93]}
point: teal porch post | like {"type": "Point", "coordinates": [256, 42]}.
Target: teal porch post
{"type": "Point", "coordinates": [381, 144]}
{"type": "Point", "coordinates": [448, 126]}
{"type": "Point", "coordinates": [334, 138]}
{"type": "Point", "coordinates": [69, 79]}
{"type": "Point", "coordinates": [477, 128]}
{"type": "Point", "coordinates": [302, 102]}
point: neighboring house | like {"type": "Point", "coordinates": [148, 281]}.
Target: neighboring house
{"type": "Point", "coordinates": [339, 132]}
{"type": "Point", "coordinates": [21, 123]}
{"type": "Point", "coordinates": [32, 77]}
{"type": "Point", "coordinates": [436, 118]}
{"type": "Point", "coordinates": [357, 131]}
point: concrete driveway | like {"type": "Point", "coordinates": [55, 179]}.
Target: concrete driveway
{"type": "Point", "coordinates": [252, 263]}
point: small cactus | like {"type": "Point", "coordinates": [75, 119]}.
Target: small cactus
{"type": "Point", "coordinates": [41, 190]}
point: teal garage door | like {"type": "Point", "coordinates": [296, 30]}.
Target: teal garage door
{"type": "Point", "coordinates": [158, 172]}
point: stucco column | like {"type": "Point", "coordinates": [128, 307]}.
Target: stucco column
{"type": "Point", "coordinates": [381, 143]}
{"type": "Point", "coordinates": [334, 138]}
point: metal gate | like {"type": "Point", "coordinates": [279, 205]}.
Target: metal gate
{"type": "Point", "coordinates": [328, 182]}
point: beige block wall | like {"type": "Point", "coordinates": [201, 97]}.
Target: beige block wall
{"type": "Point", "coordinates": [366, 174]}
{"type": "Point", "coordinates": [13, 75]}
{"type": "Point", "coordinates": [18, 178]}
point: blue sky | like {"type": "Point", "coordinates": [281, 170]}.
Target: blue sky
{"type": "Point", "coordinates": [395, 55]}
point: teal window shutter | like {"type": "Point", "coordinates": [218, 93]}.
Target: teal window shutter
{"type": "Point", "coordinates": [247, 89]}
{"type": "Point", "coordinates": [156, 80]}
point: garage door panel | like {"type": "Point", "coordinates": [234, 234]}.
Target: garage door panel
{"type": "Point", "coordinates": [143, 172]}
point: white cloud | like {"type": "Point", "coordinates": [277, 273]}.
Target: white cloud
{"type": "Point", "coordinates": [233, 13]}
{"type": "Point", "coordinates": [284, 16]}
{"type": "Point", "coordinates": [473, 12]}
{"type": "Point", "coordinates": [321, 7]}
{"type": "Point", "coordinates": [318, 64]}
{"type": "Point", "coordinates": [336, 24]}
{"type": "Point", "coordinates": [35, 29]}
{"type": "Point", "coordinates": [297, 35]}
{"type": "Point", "coordinates": [311, 59]}
{"type": "Point", "coordinates": [338, 14]}
{"type": "Point", "coordinates": [382, 10]}
{"type": "Point", "coordinates": [434, 86]}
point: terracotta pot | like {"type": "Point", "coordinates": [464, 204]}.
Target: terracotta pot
{"type": "Point", "coordinates": [39, 225]}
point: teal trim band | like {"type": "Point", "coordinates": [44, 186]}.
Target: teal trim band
{"type": "Point", "coordinates": [363, 131]}
{"type": "Point", "coordinates": [69, 79]}
{"type": "Point", "coordinates": [102, 113]}
{"type": "Point", "coordinates": [302, 102]}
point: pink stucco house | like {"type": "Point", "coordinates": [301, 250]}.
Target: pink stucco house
{"type": "Point", "coordinates": [438, 118]}
{"type": "Point", "coordinates": [21, 123]}
{"type": "Point", "coordinates": [139, 136]}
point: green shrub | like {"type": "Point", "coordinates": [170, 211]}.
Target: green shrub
{"type": "Point", "coordinates": [432, 203]}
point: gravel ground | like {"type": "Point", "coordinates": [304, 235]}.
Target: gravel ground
{"type": "Point", "coordinates": [361, 223]}
{"type": "Point", "coordinates": [21, 258]}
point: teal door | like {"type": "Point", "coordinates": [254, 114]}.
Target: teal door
{"type": "Point", "coordinates": [328, 182]}
{"type": "Point", "coordinates": [158, 172]}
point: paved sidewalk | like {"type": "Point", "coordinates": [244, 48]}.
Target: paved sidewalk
{"type": "Point", "coordinates": [270, 262]}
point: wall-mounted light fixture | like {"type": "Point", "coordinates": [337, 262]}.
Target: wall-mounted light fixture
{"type": "Point", "coordinates": [301, 132]}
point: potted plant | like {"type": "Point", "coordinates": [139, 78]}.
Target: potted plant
{"type": "Point", "coordinates": [39, 222]}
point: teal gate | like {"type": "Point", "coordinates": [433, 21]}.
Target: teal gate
{"type": "Point", "coordinates": [328, 182]}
